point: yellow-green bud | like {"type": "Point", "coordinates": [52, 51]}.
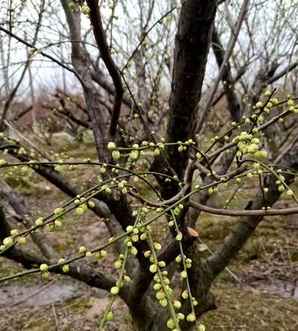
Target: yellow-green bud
{"type": "Point", "coordinates": [39, 221]}
{"type": "Point", "coordinates": [8, 241]}
{"type": "Point", "coordinates": [170, 323]}
{"type": "Point", "coordinates": [116, 155]}
{"type": "Point", "coordinates": [43, 267]}
{"type": "Point", "coordinates": [82, 249]}
{"type": "Point", "coordinates": [110, 316]}
{"type": "Point", "coordinates": [153, 268]}
{"type": "Point", "coordinates": [114, 290]}
{"type": "Point", "coordinates": [261, 154]}
{"type": "Point", "coordinates": [191, 317]}
{"type": "Point", "coordinates": [65, 268]}
{"type": "Point", "coordinates": [111, 145]}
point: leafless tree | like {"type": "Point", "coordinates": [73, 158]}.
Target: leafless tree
{"type": "Point", "coordinates": [125, 73]}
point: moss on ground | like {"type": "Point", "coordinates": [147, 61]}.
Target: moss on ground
{"type": "Point", "coordinates": [246, 310]}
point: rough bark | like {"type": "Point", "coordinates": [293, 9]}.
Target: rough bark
{"type": "Point", "coordinates": [192, 45]}
{"type": "Point", "coordinates": [191, 50]}
{"type": "Point", "coordinates": [100, 37]}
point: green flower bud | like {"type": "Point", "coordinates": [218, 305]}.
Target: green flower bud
{"type": "Point", "coordinates": [116, 155]}
{"type": "Point", "coordinates": [65, 268]}
{"type": "Point", "coordinates": [191, 317]}
{"type": "Point", "coordinates": [82, 249]}
{"type": "Point", "coordinates": [134, 155]}
{"type": "Point", "coordinates": [8, 241]}
{"type": "Point", "coordinates": [170, 323]}
{"type": "Point", "coordinates": [163, 302]}
{"type": "Point", "coordinates": [261, 154]}
{"type": "Point", "coordinates": [43, 267]}
{"type": "Point", "coordinates": [111, 145]}
{"type": "Point", "coordinates": [114, 290]}
{"type": "Point", "coordinates": [110, 316]}
{"type": "Point", "coordinates": [153, 268]}
{"type": "Point", "coordinates": [179, 236]}
{"type": "Point", "coordinates": [39, 221]}
{"type": "Point", "coordinates": [22, 240]}
{"type": "Point", "coordinates": [177, 304]}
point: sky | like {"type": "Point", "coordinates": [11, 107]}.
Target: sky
{"type": "Point", "coordinates": [126, 29]}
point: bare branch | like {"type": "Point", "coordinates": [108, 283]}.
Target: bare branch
{"type": "Point", "coordinates": [105, 53]}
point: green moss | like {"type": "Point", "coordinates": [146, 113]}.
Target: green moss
{"type": "Point", "coordinates": [240, 309]}
{"type": "Point", "coordinates": [39, 324]}
{"type": "Point", "coordinates": [78, 305]}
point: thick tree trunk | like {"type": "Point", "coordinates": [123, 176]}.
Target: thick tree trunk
{"type": "Point", "coordinates": [191, 51]}
{"type": "Point", "coordinates": [192, 45]}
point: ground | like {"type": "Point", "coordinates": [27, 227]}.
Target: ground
{"type": "Point", "coordinates": [259, 291]}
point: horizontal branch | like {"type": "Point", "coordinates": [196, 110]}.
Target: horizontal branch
{"type": "Point", "coordinates": [79, 271]}
{"type": "Point", "coordinates": [240, 212]}
{"type": "Point", "coordinates": [279, 75]}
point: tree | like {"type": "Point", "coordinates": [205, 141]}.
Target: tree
{"type": "Point", "coordinates": [185, 166]}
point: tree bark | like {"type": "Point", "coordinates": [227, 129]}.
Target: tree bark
{"type": "Point", "coordinates": [191, 50]}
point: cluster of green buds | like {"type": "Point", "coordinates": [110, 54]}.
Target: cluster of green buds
{"type": "Point", "coordinates": [282, 187]}
{"type": "Point", "coordinates": [178, 209]}
{"type": "Point", "coordinates": [65, 266]}
{"type": "Point", "coordinates": [82, 205]}
{"type": "Point", "coordinates": [116, 155]}
{"type": "Point", "coordinates": [44, 269]}
{"type": "Point", "coordinates": [58, 222]}
{"type": "Point", "coordinates": [161, 286]}
{"type": "Point", "coordinates": [85, 252]}
{"type": "Point", "coordinates": [17, 237]}
{"type": "Point", "coordinates": [154, 148]}
{"type": "Point", "coordinates": [99, 255]}
{"type": "Point", "coordinates": [250, 145]}
{"type": "Point", "coordinates": [123, 278]}
{"type": "Point", "coordinates": [123, 186]}
{"type": "Point", "coordinates": [135, 152]}
{"type": "Point", "coordinates": [163, 291]}
{"type": "Point", "coordinates": [134, 234]}
{"type": "Point", "coordinates": [293, 106]}
{"type": "Point", "coordinates": [14, 238]}
{"type": "Point", "coordinates": [7, 242]}
{"type": "Point", "coordinates": [183, 146]}
{"type": "Point", "coordinates": [191, 317]}
{"type": "Point", "coordinates": [119, 263]}
{"type": "Point", "coordinates": [85, 10]}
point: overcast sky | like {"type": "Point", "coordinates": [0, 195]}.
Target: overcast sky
{"type": "Point", "coordinates": [47, 75]}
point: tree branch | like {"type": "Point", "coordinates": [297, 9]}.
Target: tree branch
{"type": "Point", "coordinates": [227, 79]}
{"type": "Point", "coordinates": [18, 205]}
{"type": "Point", "coordinates": [222, 70]}
{"type": "Point", "coordinates": [78, 270]}
{"type": "Point", "coordinates": [190, 58]}
{"type": "Point", "coordinates": [105, 53]}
